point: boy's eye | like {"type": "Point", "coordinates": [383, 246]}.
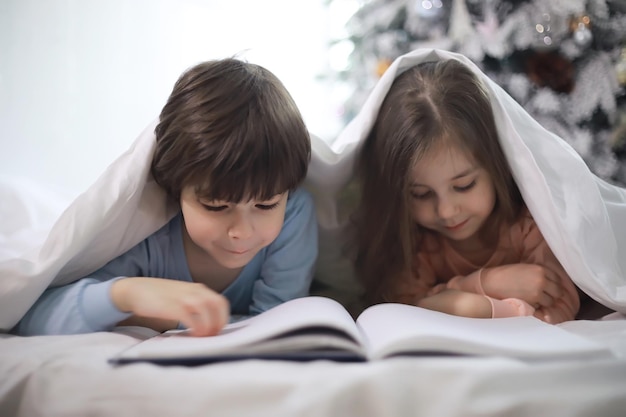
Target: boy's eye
{"type": "Point", "coordinates": [466, 187]}
{"type": "Point", "coordinates": [267, 206]}
{"type": "Point", "coordinates": [209, 207]}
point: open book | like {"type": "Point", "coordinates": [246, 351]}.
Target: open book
{"type": "Point", "coordinates": [320, 328]}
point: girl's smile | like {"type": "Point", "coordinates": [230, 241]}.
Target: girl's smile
{"type": "Point", "coordinates": [451, 194]}
{"type": "Point", "coordinates": [458, 226]}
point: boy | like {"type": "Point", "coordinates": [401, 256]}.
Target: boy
{"type": "Point", "coordinates": [232, 150]}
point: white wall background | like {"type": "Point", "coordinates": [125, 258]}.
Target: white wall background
{"type": "Point", "coordinates": [80, 79]}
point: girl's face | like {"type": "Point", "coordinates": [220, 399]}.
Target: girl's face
{"type": "Point", "coordinates": [451, 194]}
{"type": "Point", "coordinates": [232, 234]}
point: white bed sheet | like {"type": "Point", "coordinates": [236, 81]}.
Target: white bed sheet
{"type": "Point", "coordinates": [70, 376]}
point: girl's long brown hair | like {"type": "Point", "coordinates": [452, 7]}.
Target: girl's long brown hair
{"type": "Point", "coordinates": [426, 104]}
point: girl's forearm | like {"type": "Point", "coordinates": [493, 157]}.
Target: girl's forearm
{"type": "Point", "coordinates": [458, 303]}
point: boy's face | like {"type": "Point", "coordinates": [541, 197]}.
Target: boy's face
{"type": "Point", "coordinates": [451, 194]}
{"type": "Point", "coordinates": [232, 234]}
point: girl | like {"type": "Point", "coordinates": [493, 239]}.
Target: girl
{"type": "Point", "coordinates": [232, 150]}
{"type": "Point", "coordinates": [441, 223]}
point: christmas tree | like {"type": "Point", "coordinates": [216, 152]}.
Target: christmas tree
{"type": "Point", "coordinates": [564, 61]}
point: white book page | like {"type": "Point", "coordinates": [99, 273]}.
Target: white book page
{"type": "Point", "coordinates": [294, 314]}
{"type": "Point", "coordinates": [396, 328]}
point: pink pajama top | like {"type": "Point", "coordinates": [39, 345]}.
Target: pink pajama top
{"type": "Point", "coordinates": [521, 242]}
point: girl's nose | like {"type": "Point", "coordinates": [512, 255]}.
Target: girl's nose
{"type": "Point", "coordinates": [447, 207]}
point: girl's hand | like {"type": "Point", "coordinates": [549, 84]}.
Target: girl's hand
{"type": "Point", "coordinates": [458, 303]}
{"type": "Point", "coordinates": [543, 315]}
{"type": "Point", "coordinates": [202, 310]}
{"type": "Point", "coordinates": [536, 285]}
{"type": "Point", "coordinates": [437, 289]}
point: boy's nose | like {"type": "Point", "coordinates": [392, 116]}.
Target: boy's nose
{"type": "Point", "coordinates": [240, 227]}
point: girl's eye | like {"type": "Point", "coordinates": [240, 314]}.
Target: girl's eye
{"type": "Point", "coordinates": [267, 206]}
{"type": "Point", "coordinates": [421, 196]}
{"type": "Point", "coordinates": [208, 207]}
{"type": "Point", "coordinates": [466, 187]}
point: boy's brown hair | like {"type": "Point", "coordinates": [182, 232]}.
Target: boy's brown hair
{"type": "Point", "coordinates": [231, 130]}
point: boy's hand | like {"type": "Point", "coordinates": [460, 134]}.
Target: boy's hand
{"type": "Point", "coordinates": [202, 310]}
{"type": "Point", "coordinates": [536, 285]}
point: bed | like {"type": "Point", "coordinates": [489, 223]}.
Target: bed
{"type": "Point", "coordinates": [51, 242]}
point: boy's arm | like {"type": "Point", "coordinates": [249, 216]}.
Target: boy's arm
{"type": "Point", "coordinates": [81, 307]}
{"type": "Point", "coordinates": [129, 289]}
{"type": "Point", "coordinates": [85, 305]}
{"type": "Point", "coordinates": [160, 302]}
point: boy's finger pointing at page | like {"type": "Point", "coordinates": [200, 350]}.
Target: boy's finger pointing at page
{"type": "Point", "coordinates": [206, 317]}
